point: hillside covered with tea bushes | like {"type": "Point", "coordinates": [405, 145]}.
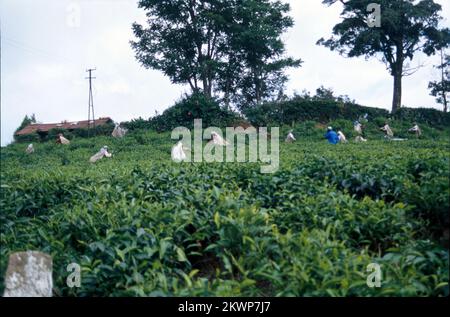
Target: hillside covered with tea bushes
{"type": "Point", "coordinates": [139, 224]}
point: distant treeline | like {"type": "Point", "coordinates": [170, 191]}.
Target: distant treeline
{"type": "Point", "coordinates": [323, 111]}
{"type": "Point", "coordinates": [298, 109]}
{"type": "Point", "coordinates": [289, 112]}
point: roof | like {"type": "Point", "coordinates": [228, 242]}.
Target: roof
{"type": "Point", "coordinates": [45, 127]}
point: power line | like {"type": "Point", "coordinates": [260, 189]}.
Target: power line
{"type": "Point", "coordinates": [35, 51]}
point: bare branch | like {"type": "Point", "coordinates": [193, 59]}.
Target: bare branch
{"type": "Point", "coordinates": [408, 71]}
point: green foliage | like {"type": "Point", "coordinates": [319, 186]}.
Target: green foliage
{"type": "Point", "coordinates": [336, 113]}
{"type": "Point", "coordinates": [429, 116]}
{"type": "Point", "coordinates": [407, 27]}
{"type": "Point", "coordinates": [196, 106]}
{"type": "Point", "coordinates": [27, 120]}
{"type": "Point", "coordinates": [141, 225]}
{"type": "Point", "coordinates": [441, 89]}
{"type": "Point", "coordinates": [53, 134]}
{"type": "Point", "coordinates": [221, 48]}
{"type": "Point", "coordinates": [105, 129]}
{"type": "Point", "coordinates": [303, 109]}
{"type": "Point", "coordinates": [27, 138]}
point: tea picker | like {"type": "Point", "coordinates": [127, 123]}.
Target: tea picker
{"type": "Point", "coordinates": [62, 140]}
{"type": "Point", "coordinates": [388, 131]}
{"type": "Point", "coordinates": [218, 140]}
{"type": "Point", "coordinates": [415, 129]}
{"type": "Point", "coordinates": [178, 154]}
{"type": "Point", "coordinates": [290, 137]}
{"type": "Point", "coordinates": [389, 134]}
{"type": "Point", "coordinates": [102, 153]}
{"type": "Point", "coordinates": [30, 149]}
{"type": "Point", "coordinates": [359, 131]}
{"type": "Point", "coordinates": [118, 131]}
{"type": "Point", "coordinates": [342, 137]}
{"type": "Point", "coordinates": [332, 136]}
{"type": "Point", "coordinates": [358, 127]}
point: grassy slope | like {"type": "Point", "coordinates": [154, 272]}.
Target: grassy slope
{"type": "Point", "coordinates": [139, 224]}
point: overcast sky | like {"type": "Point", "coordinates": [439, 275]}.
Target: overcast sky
{"type": "Point", "coordinates": [47, 45]}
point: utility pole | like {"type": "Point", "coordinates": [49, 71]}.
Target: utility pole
{"type": "Point", "coordinates": [91, 102]}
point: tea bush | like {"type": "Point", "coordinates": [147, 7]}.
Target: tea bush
{"type": "Point", "coordinates": [141, 225]}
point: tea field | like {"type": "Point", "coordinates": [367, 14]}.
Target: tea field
{"type": "Point", "coordinates": [139, 224]}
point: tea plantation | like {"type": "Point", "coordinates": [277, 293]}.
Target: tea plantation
{"type": "Point", "coordinates": [139, 224]}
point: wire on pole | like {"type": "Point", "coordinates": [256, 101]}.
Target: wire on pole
{"type": "Point", "coordinates": [91, 122]}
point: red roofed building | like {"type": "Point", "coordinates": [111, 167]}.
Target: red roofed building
{"type": "Point", "coordinates": [44, 128]}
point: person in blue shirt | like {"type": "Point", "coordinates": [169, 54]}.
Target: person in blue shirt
{"type": "Point", "coordinates": [332, 136]}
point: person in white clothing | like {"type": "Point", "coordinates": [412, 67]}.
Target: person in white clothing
{"type": "Point", "coordinates": [118, 131]}
{"type": "Point", "coordinates": [387, 129]}
{"type": "Point", "coordinates": [218, 140]}
{"type": "Point", "coordinates": [358, 127]}
{"type": "Point", "coordinates": [62, 140]}
{"type": "Point", "coordinates": [178, 154]}
{"type": "Point", "coordinates": [30, 149]}
{"type": "Point", "coordinates": [290, 137]}
{"type": "Point", "coordinates": [342, 137]}
{"type": "Point", "coordinates": [102, 153]}
{"type": "Point", "coordinates": [415, 129]}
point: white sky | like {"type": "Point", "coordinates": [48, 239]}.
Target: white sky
{"type": "Point", "coordinates": [47, 47]}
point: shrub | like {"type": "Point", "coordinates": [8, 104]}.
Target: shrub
{"type": "Point", "coordinates": [141, 225]}
{"type": "Point", "coordinates": [28, 138]}
{"type": "Point", "coordinates": [299, 110]}
{"type": "Point", "coordinates": [429, 116]}
{"type": "Point", "coordinates": [53, 133]}
{"type": "Point", "coordinates": [195, 106]}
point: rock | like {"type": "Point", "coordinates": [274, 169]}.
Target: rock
{"type": "Point", "coordinates": [29, 274]}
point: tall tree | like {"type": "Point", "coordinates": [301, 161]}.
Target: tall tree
{"type": "Point", "coordinates": [182, 40]}
{"type": "Point", "coordinates": [407, 27]}
{"type": "Point", "coordinates": [323, 93]}
{"type": "Point", "coordinates": [441, 89]}
{"type": "Point", "coordinates": [27, 120]}
{"type": "Point", "coordinates": [214, 45]}
{"type": "Point", "coordinates": [258, 26]}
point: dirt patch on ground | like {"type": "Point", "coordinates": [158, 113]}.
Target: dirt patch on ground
{"type": "Point", "coordinates": [320, 126]}
{"type": "Point", "coordinates": [243, 124]}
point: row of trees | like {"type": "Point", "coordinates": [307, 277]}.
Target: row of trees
{"type": "Point", "coordinates": [232, 49]}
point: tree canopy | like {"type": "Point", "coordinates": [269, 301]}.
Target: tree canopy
{"type": "Point", "coordinates": [26, 121]}
{"type": "Point", "coordinates": [440, 89]}
{"type": "Point", "coordinates": [231, 49]}
{"type": "Point", "coordinates": [407, 27]}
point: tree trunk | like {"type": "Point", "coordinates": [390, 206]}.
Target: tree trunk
{"type": "Point", "coordinates": [206, 87]}
{"type": "Point", "coordinates": [444, 98]}
{"type": "Point", "coordinates": [206, 79]}
{"type": "Point", "coordinates": [397, 72]}
{"type": "Point", "coordinates": [397, 99]}
{"type": "Point", "coordinates": [257, 87]}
